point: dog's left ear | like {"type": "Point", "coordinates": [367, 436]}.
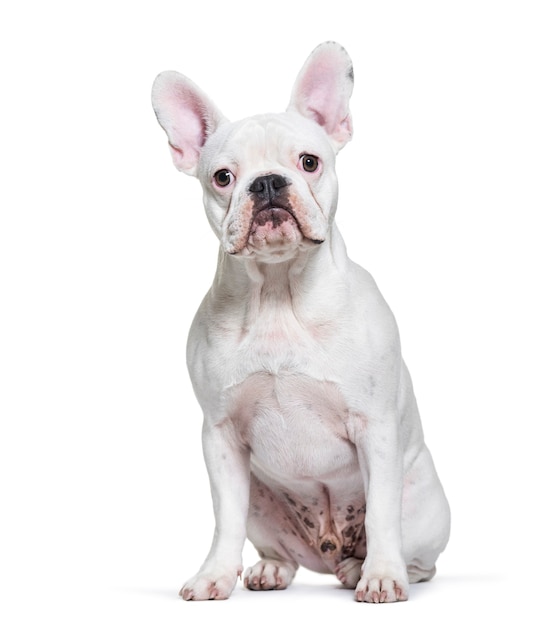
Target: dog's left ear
{"type": "Point", "coordinates": [323, 89]}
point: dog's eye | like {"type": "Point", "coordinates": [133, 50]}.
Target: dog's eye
{"type": "Point", "coordinates": [223, 178]}
{"type": "Point", "coordinates": [309, 162]}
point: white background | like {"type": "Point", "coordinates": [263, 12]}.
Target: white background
{"type": "Point", "coordinates": [447, 195]}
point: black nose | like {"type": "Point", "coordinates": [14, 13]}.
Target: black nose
{"type": "Point", "coordinates": [268, 187]}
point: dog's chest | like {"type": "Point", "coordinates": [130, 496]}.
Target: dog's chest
{"type": "Point", "coordinates": [294, 425]}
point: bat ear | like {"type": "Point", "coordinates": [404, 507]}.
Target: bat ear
{"type": "Point", "coordinates": [322, 91]}
{"type": "Point", "coordinates": [187, 115]}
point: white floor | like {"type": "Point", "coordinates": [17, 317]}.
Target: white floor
{"type": "Point", "coordinates": [453, 599]}
{"type": "Point", "coordinates": [145, 593]}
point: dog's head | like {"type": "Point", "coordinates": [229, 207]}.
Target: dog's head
{"type": "Point", "coordinates": [269, 183]}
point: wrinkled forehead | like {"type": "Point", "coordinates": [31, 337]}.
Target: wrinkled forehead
{"type": "Point", "coordinates": [264, 140]}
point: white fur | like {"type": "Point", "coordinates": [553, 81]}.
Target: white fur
{"type": "Point", "coordinates": [309, 412]}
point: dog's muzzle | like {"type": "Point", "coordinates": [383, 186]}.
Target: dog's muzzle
{"type": "Point", "coordinates": [276, 220]}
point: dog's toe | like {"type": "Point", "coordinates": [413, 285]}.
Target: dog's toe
{"type": "Point", "coordinates": [348, 572]}
{"type": "Point", "coordinates": [269, 574]}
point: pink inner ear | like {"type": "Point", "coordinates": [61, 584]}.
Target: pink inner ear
{"type": "Point", "coordinates": [177, 155]}
{"type": "Point", "coordinates": [187, 116]}
{"type": "Point", "coordinates": [188, 132]}
{"type": "Point", "coordinates": [323, 95]}
{"type": "Point", "coordinates": [317, 91]}
{"type": "Point", "coordinates": [194, 115]}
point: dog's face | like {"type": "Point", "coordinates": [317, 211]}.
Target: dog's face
{"type": "Point", "coordinates": [269, 183]}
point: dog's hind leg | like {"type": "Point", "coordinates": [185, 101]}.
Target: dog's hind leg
{"type": "Point", "coordinates": [418, 573]}
{"type": "Point", "coordinates": [277, 566]}
{"type": "Point", "coordinates": [271, 533]}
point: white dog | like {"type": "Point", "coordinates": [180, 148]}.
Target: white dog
{"type": "Point", "coordinates": [312, 437]}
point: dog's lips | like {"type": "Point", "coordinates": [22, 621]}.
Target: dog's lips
{"type": "Point", "coordinates": [274, 229]}
{"type": "Point", "coordinates": [275, 214]}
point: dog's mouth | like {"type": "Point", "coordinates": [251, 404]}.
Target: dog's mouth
{"type": "Point", "coordinates": [275, 216]}
{"type": "Point", "coordinates": [276, 231]}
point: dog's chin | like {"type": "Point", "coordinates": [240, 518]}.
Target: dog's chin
{"type": "Point", "coordinates": [274, 236]}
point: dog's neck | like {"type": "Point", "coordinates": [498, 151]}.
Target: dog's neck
{"type": "Point", "coordinates": [246, 282]}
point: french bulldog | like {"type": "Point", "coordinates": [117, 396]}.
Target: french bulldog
{"type": "Point", "coordinates": [311, 435]}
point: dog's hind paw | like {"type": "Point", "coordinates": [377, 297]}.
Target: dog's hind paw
{"type": "Point", "coordinates": [348, 572]}
{"type": "Point", "coordinates": [269, 574]}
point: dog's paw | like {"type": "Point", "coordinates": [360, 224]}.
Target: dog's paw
{"type": "Point", "coordinates": [348, 572]}
{"type": "Point", "coordinates": [269, 574]}
{"type": "Point", "coordinates": [210, 585]}
{"type": "Point", "coordinates": [390, 585]}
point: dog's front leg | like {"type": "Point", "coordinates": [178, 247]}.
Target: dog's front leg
{"type": "Point", "coordinates": [228, 468]}
{"type": "Point", "coordinates": [383, 574]}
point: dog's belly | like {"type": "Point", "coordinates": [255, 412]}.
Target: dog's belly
{"type": "Point", "coordinates": [312, 523]}
{"type": "Point", "coordinates": [307, 488]}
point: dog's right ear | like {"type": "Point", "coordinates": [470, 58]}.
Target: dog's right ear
{"type": "Point", "coordinates": [187, 115]}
